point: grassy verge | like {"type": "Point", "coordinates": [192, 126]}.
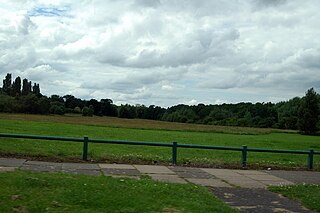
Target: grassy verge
{"type": "Point", "coordinates": [52, 192]}
{"type": "Point", "coordinates": [65, 151]}
{"type": "Point", "coordinates": [307, 194]}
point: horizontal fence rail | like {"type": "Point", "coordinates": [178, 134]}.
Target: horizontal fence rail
{"type": "Point", "coordinates": [174, 145]}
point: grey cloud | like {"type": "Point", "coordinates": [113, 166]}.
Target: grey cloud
{"type": "Point", "coordinates": [136, 80]}
{"type": "Point", "coordinates": [220, 79]}
{"type": "Point", "coordinates": [310, 59]}
{"type": "Point", "coordinates": [268, 3]}
{"type": "Point", "coordinates": [18, 59]}
{"type": "Point", "coordinates": [147, 3]}
{"type": "Point", "coordinates": [277, 20]}
{"type": "Point", "coordinates": [194, 48]}
{"type": "Point", "coordinates": [156, 76]}
{"type": "Point", "coordinates": [136, 96]}
{"type": "Point", "coordinates": [111, 57]}
{"type": "Point", "coordinates": [202, 8]}
{"type": "Point", "coordinates": [41, 72]}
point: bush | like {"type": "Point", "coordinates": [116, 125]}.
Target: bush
{"type": "Point", "coordinates": [57, 108]}
{"type": "Point", "coordinates": [77, 110]}
{"type": "Point", "coordinates": [87, 111]}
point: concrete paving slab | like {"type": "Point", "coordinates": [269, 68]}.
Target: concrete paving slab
{"type": "Point", "coordinates": [222, 172]}
{"type": "Point", "coordinates": [41, 168]}
{"type": "Point", "coordinates": [298, 176]}
{"type": "Point", "coordinates": [249, 184]}
{"type": "Point", "coordinates": [11, 162]}
{"type": "Point", "coordinates": [242, 178]}
{"type": "Point", "coordinates": [126, 172]}
{"type": "Point", "coordinates": [244, 182]}
{"type": "Point", "coordinates": [249, 172]}
{"type": "Point", "coordinates": [149, 169]}
{"type": "Point", "coordinates": [208, 182]}
{"type": "Point", "coordinates": [80, 166]}
{"type": "Point", "coordinates": [265, 177]}
{"type": "Point", "coordinates": [116, 166]}
{"type": "Point", "coordinates": [83, 172]}
{"type": "Point", "coordinates": [41, 163]}
{"type": "Point", "coordinates": [169, 178]}
{"type": "Point", "coordinates": [7, 169]}
{"type": "Point", "coordinates": [187, 172]}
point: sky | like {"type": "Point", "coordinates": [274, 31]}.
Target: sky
{"type": "Point", "coordinates": [164, 52]}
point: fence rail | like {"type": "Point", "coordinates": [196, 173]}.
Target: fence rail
{"type": "Point", "coordinates": [174, 145]}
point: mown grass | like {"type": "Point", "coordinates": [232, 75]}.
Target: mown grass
{"type": "Point", "coordinates": [53, 192]}
{"type": "Point", "coordinates": [142, 154]}
{"type": "Point", "coordinates": [307, 194]}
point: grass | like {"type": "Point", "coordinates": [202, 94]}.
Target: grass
{"type": "Point", "coordinates": [137, 123]}
{"type": "Point", "coordinates": [64, 151]}
{"type": "Point", "coordinates": [307, 194]}
{"type": "Point", "coordinates": [54, 192]}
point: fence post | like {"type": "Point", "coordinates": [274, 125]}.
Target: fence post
{"type": "Point", "coordinates": [85, 148]}
{"type": "Point", "coordinates": [244, 156]}
{"type": "Point", "coordinates": [174, 153]}
{"type": "Point", "coordinates": [310, 159]}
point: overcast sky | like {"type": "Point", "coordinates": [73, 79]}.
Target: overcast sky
{"type": "Point", "coordinates": [164, 52]}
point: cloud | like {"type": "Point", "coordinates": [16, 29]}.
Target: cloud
{"type": "Point", "coordinates": [21, 22]}
{"type": "Point", "coordinates": [163, 52]}
{"type": "Point", "coordinates": [270, 3]}
{"type": "Point", "coordinates": [309, 59]}
{"type": "Point", "coordinates": [147, 3]}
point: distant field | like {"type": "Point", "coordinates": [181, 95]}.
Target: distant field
{"type": "Point", "coordinates": [137, 123]}
{"type": "Point", "coordinates": [153, 131]}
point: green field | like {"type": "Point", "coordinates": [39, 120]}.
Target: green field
{"type": "Point", "coordinates": [158, 132]}
{"type": "Point", "coordinates": [53, 192]}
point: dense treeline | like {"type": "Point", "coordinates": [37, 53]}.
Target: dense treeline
{"type": "Point", "coordinates": [296, 113]}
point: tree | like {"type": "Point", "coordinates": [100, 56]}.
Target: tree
{"type": "Point", "coordinates": [108, 108]}
{"type": "Point", "coordinates": [127, 111]}
{"type": "Point", "coordinates": [29, 103]}
{"type": "Point", "coordinates": [56, 107]}
{"type": "Point", "coordinates": [288, 113]}
{"type": "Point", "coordinates": [142, 111]}
{"type": "Point", "coordinates": [308, 115]}
{"type": "Point", "coordinates": [180, 113]}
{"type": "Point", "coordinates": [155, 112]}
{"type": "Point", "coordinates": [7, 103]}
{"type": "Point", "coordinates": [36, 89]}
{"type": "Point", "coordinates": [72, 102]}
{"type": "Point", "coordinates": [16, 87]}
{"type": "Point", "coordinates": [87, 111]}
{"type": "Point", "coordinates": [6, 88]}
{"type": "Point", "coordinates": [96, 106]}
{"type": "Point", "coordinates": [26, 87]}
{"type": "Point", "coordinates": [44, 105]}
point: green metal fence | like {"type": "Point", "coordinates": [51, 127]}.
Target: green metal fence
{"type": "Point", "coordinates": [174, 145]}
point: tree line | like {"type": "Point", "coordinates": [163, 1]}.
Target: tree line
{"type": "Point", "coordinates": [297, 113]}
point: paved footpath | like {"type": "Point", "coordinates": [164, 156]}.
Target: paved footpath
{"type": "Point", "coordinates": [242, 189]}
